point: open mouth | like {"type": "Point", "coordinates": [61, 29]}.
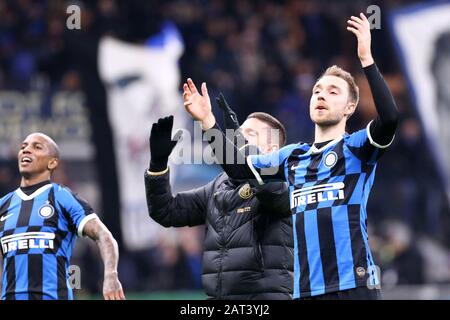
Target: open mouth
{"type": "Point", "coordinates": [26, 160]}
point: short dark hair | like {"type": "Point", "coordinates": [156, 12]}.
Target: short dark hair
{"type": "Point", "coordinates": [273, 123]}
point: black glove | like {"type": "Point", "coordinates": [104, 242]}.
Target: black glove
{"type": "Point", "coordinates": [231, 121]}
{"type": "Point", "coordinates": [229, 116]}
{"type": "Point", "coordinates": [161, 144]}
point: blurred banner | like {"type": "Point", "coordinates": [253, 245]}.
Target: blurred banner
{"type": "Point", "coordinates": [142, 83]}
{"type": "Point", "coordinates": [60, 114]}
{"type": "Point", "coordinates": [422, 36]}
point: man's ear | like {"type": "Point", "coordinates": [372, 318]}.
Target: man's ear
{"type": "Point", "coordinates": [52, 164]}
{"type": "Point", "coordinates": [350, 109]}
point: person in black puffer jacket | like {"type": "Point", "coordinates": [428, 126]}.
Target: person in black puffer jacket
{"type": "Point", "coordinates": [248, 246]}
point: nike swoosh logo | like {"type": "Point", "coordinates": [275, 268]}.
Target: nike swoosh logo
{"type": "Point", "coordinates": [294, 167]}
{"type": "Point", "coordinates": [3, 218]}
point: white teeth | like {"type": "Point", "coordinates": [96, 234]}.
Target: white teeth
{"type": "Point", "coordinates": [26, 159]}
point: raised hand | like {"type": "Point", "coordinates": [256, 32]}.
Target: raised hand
{"type": "Point", "coordinates": [161, 143]}
{"type": "Point", "coordinates": [229, 116]}
{"type": "Point", "coordinates": [360, 27]}
{"type": "Point", "coordinates": [198, 105]}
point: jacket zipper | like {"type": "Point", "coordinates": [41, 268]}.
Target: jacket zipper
{"type": "Point", "coordinates": [258, 246]}
{"type": "Point", "coordinates": [221, 243]}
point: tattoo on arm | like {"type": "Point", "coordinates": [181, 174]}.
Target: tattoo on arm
{"type": "Point", "coordinates": [97, 231]}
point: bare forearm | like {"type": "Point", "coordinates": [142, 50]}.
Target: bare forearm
{"type": "Point", "coordinates": [109, 251]}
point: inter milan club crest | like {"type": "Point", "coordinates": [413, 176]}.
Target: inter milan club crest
{"type": "Point", "coordinates": [361, 272]}
{"type": "Point", "coordinates": [46, 211]}
{"type": "Point", "coordinates": [330, 159]}
{"type": "Point", "coordinates": [245, 192]}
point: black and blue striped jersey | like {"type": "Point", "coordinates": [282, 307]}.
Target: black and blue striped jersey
{"type": "Point", "coordinates": [37, 234]}
{"type": "Point", "coordinates": [329, 189]}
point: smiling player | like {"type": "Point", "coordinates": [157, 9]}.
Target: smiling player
{"type": "Point", "coordinates": [39, 224]}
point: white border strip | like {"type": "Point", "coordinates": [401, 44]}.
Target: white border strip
{"type": "Point", "coordinates": [332, 142]}
{"type": "Point", "coordinates": [243, 146]}
{"type": "Point", "coordinates": [373, 142]}
{"type": "Point", "coordinates": [255, 173]}
{"type": "Point", "coordinates": [24, 197]}
{"type": "Point", "coordinates": [83, 223]}
{"type": "Point", "coordinates": [160, 173]}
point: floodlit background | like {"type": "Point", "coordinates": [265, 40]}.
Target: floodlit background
{"type": "Point", "coordinates": [96, 90]}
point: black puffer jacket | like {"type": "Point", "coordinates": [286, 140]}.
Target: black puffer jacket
{"type": "Point", "coordinates": [248, 246]}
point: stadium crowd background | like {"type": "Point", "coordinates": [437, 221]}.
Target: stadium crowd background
{"type": "Point", "coordinates": [264, 56]}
